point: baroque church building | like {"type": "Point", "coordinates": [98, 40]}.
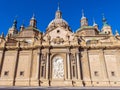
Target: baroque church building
{"type": "Point", "coordinates": [60, 57]}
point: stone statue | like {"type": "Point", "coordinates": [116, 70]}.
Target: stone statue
{"type": "Point", "coordinates": [75, 39]}
{"type": "Point", "coordinates": [48, 38]}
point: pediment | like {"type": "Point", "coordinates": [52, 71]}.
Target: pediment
{"type": "Point", "coordinates": [59, 33]}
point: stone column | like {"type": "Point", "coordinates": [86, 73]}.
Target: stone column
{"type": "Point", "coordinates": [86, 68]}
{"type": "Point", "coordinates": [103, 67]}
{"type": "Point", "coordinates": [118, 61]}
{"type": "Point", "coordinates": [38, 65]}
{"type": "Point", "coordinates": [47, 82]}
{"type": "Point", "coordinates": [68, 66]}
{"type": "Point", "coordinates": [118, 66]}
{"type": "Point", "coordinates": [35, 71]}
{"type": "Point", "coordinates": [78, 66]}
{"type": "Point", "coordinates": [47, 64]}
{"type": "Point", "coordinates": [30, 67]}
{"type": "Point", "coordinates": [78, 81]}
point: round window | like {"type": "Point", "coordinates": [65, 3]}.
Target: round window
{"type": "Point", "coordinates": [58, 31]}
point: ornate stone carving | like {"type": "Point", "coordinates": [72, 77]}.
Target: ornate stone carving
{"type": "Point", "coordinates": [48, 37]}
{"type": "Point", "coordinates": [72, 57]}
{"type": "Point", "coordinates": [75, 39]}
{"type": "Point", "coordinates": [43, 58]}
{"type": "Point", "coordinates": [57, 40]}
{"type": "Point", "coordinates": [58, 68]}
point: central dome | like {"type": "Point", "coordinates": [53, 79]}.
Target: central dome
{"type": "Point", "coordinates": [57, 22]}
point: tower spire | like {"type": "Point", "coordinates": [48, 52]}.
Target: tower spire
{"type": "Point", "coordinates": [2, 35]}
{"type": "Point", "coordinates": [106, 27]}
{"type": "Point", "coordinates": [13, 29]}
{"type": "Point", "coordinates": [83, 16]}
{"type": "Point", "coordinates": [93, 20]}
{"type": "Point", "coordinates": [94, 23]}
{"type": "Point", "coordinates": [58, 6]}
{"type": "Point", "coordinates": [104, 20]}
{"type": "Point", "coordinates": [117, 34]}
{"type": "Point", "coordinates": [33, 21]}
{"type": "Point", "coordinates": [82, 13]}
{"type": "Point", "coordinates": [22, 26]}
{"type": "Point", "coordinates": [33, 16]}
{"type": "Point", "coordinates": [14, 24]}
{"type": "Point", "coordinates": [58, 14]}
{"type": "Point", "coordinates": [83, 21]}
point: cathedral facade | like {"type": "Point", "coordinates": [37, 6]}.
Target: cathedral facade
{"type": "Point", "coordinates": [60, 57]}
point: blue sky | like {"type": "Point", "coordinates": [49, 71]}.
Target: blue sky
{"type": "Point", "coordinates": [44, 11]}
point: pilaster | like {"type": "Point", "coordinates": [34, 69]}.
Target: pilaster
{"type": "Point", "coordinates": [85, 68]}
{"type": "Point", "coordinates": [105, 77]}
{"type": "Point", "coordinates": [46, 81]}
{"type": "Point", "coordinates": [16, 64]}
{"type": "Point", "coordinates": [68, 65]}
{"type": "Point", "coordinates": [78, 82]}
{"type": "Point", "coordinates": [1, 60]}
{"type": "Point", "coordinates": [35, 80]}
{"type": "Point", "coordinates": [103, 65]}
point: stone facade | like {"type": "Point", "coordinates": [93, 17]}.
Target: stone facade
{"type": "Point", "coordinates": [59, 57]}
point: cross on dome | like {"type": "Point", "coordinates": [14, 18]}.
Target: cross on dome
{"type": "Point", "coordinates": [58, 14]}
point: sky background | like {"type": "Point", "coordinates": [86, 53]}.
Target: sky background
{"type": "Point", "coordinates": [44, 11]}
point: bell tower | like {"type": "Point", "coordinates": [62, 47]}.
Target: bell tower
{"type": "Point", "coordinates": [33, 21]}
{"type": "Point", "coordinates": [106, 27]}
{"type": "Point", "coordinates": [84, 20]}
{"type": "Point", "coordinates": [95, 25]}
{"type": "Point", "coordinates": [13, 29]}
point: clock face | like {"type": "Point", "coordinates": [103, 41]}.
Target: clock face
{"type": "Point", "coordinates": [58, 68]}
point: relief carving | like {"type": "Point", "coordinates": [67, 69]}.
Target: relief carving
{"type": "Point", "coordinates": [58, 68]}
{"type": "Point", "coordinates": [75, 39]}
{"type": "Point", "coordinates": [57, 40]}
{"type": "Point", "coordinates": [72, 57]}
{"type": "Point", "coordinates": [43, 58]}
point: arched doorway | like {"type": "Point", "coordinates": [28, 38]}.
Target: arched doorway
{"type": "Point", "coordinates": [57, 68]}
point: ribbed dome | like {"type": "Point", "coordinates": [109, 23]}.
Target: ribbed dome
{"type": "Point", "coordinates": [57, 22]}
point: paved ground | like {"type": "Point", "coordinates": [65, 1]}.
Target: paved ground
{"type": "Point", "coordinates": [59, 88]}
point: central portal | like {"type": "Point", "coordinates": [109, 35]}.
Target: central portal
{"type": "Point", "coordinates": [58, 68]}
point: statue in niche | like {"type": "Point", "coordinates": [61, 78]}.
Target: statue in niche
{"type": "Point", "coordinates": [67, 39]}
{"type": "Point", "coordinates": [48, 38]}
{"type": "Point", "coordinates": [43, 58]}
{"type": "Point", "coordinates": [67, 36]}
{"type": "Point", "coordinates": [40, 38]}
{"type": "Point", "coordinates": [72, 58]}
{"type": "Point", "coordinates": [75, 39]}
